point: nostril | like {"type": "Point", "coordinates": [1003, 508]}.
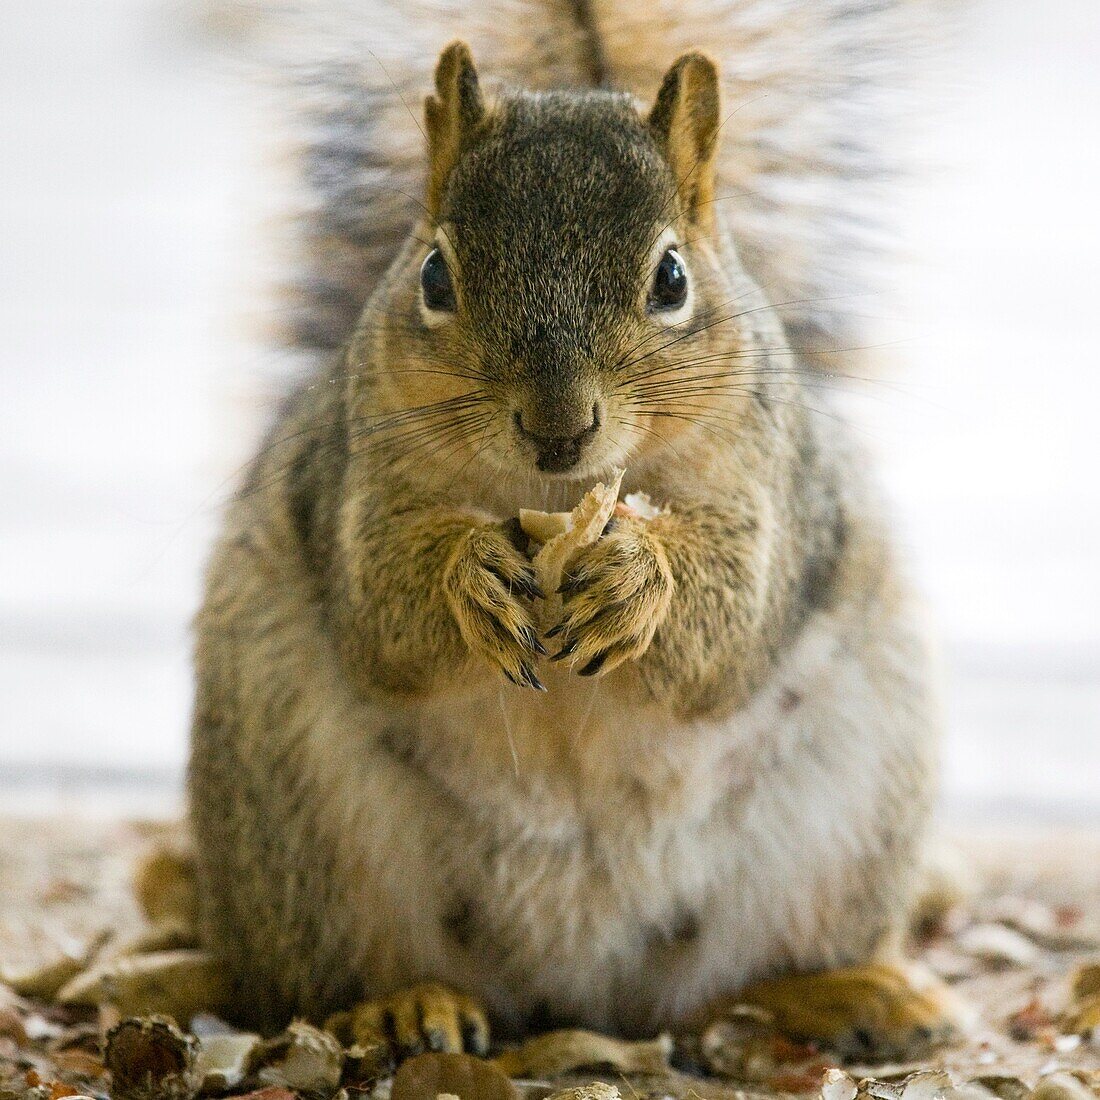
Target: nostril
{"type": "Point", "coordinates": [595, 418]}
{"type": "Point", "coordinates": [517, 419]}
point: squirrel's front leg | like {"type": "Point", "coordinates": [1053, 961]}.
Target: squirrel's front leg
{"type": "Point", "coordinates": [682, 596]}
{"type": "Point", "coordinates": [428, 595]}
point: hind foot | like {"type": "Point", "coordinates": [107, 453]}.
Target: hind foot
{"type": "Point", "coordinates": [417, 1019]}
{"type": "Point", "coordinates": [877, 1012]}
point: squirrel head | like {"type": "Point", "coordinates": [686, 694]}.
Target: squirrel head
{"type": "Point", "coordinates": [569, 263]}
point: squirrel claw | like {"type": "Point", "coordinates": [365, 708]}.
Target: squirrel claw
{"type": "Point", "coordinates": [594, 665]}
{"type": "Point", "coordinates": [526, 678]}
{"type": "Point", "coordinates": [566, 650]}
{"type": "Point", "coordinates": [531, 679]}
{"type": "Point", "coordinates": [573, 584]}
{"type": "Point", "coordinates": [529, 587]}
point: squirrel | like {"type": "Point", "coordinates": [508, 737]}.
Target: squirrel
{"type": "Point", "coordinates": [417, 812]}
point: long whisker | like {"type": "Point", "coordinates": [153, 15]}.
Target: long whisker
{"type": "Point", "coordinates": [650, 431]}
{"type": "Point", "coordinates": [691, 420]}
{"type": "Point", "coordinates": [623, 361]}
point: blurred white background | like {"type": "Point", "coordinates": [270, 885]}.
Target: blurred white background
{"type": "Point", "coordinates": [131, 188]}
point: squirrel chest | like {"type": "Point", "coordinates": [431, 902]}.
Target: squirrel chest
{"type": "Point", "coordinates": [575, 860]}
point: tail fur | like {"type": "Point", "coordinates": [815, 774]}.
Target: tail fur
{"type": "Point", "coordinates": [811, 93]}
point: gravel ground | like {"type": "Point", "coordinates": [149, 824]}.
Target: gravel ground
{"type": "Point", "coordinates": [1033, 919]}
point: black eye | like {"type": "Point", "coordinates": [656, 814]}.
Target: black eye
{"type": "Point", "coordinates": [435, 281]}
{"type": "Point", "coordinates": [670, 284]}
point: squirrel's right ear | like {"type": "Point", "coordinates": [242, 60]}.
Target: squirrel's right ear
{"type": "Point", "coordinates": [450, 115]}
{"type": "Point", "coordinates": [684, 122]}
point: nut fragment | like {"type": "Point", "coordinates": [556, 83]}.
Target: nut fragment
{"type": "Point", "coordinates": [366, 1063]}
{"type": "Point", "coordinates": [150, 1059]}
{"type": "Point", "coordinates": [222, 1060]}
{"type": "Point", "coordinates": [928, 1084]}
{"type": "Point", "coordinates": [1083, 1014]}
{"type": "Point", "coordinates": [563, 535]}
{"type": "Point", "coordinates": [427, 1075]}
{"type": "Point", "coordinates": [837, 1085]}
{"type": "Point", "coordinates": [44, 982]}
{"type": "Point", "coordinates": [303, 1057]}
{"type": "Point", "coordinates": [739, 1045]}
{"type": "Point", "coordinates": [595, 1091]}
{"type": "Point", "coordinates": [1003, 1086]}
{"type": "Point", "coordinates": [1043, 925]}
{"type": "Point", "coordinates": [1062, 1086]}
{"type": "Point", "coordinates": [997, 945]}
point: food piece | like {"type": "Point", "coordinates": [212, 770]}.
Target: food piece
{"type": "Point", "coordinates": [544, 526]}
{"type": "Point", "coordinates": [150, 1059]}
{"type": "Point", "coordinates": [1082, 1017]}
{"type": "Point", "coordinates": [366, 1063]}
{"type": "Point", "coordinates": [43, 983]}
{"type": "Point", "coordinates": [1031, 1021]}
{"type": "Point", "coordinates": [997, 945]}
{"type": "Point", "coordinates": [303, 1057]}
{"type": "Point", "coordinates": [426, 1076]}
{"type": "Point", "coordinates": [1043, 925]}
{"type": "Point", "coordinates": [222, 1060]}
{"type": "Point", "coordinates": [740, 1044]}
{"type": "Point", "coordinates": [11, 1026]}
{"type": "Point", "coordinates": [80, 1063]}
{"type": "Point", "coordinates": [563, 534]}
{"type": "Point", "coordinates": [175, 983]}
{"type": "Point", "coordinates": [1062, 1086]}
{"type": "Point", "coordinates": [595, 1091]}
{"type": "Point", "coordinates": [639, 506]}
{"type": "Point", "coordinates": [570, 1050]}
{"type": "Point", "coordinates": [927, 1084]}
{"type": "Point", "coordinates": [837, 1085]}
{"type": "Point", "coordinates": [1002, 1086]}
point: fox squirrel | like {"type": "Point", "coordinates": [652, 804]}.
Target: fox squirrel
{"type": "Point", "coordinates": [414, 806]}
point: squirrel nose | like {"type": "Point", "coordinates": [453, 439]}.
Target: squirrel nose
{"type": "Point", "coordinates": [558, 453]}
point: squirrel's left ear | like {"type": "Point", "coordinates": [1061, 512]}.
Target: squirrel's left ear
{"type": "Point", "coordinates": [684, 121]}
{"type": "Point", "coordinates": [450, 115]}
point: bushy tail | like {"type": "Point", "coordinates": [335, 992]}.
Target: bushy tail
{"type": "Point", "coordinates": [811, 91]}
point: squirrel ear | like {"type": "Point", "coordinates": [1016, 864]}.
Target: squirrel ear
{"type": "Point", "coordinates": [684, 121]}
{"type": "Point", "coordinates": [450, 115]}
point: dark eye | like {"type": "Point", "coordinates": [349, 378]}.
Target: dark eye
{"type": "Point", "coordinates": [435, 281]}
{"type": "Point", "coordinates": [670, 284]}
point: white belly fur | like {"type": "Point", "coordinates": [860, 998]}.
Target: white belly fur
{"type": "Point", "coordinates": [582, 834]}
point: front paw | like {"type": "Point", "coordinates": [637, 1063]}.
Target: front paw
{"type": "Point", "coordinates": [489, 585]}
{"type": "Point", "coordinates": [615, 596]}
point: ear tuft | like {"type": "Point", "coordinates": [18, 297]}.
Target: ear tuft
{"type": "Point", "coordinates": [450, 115]}
{"type": "Point", "coordinates": [684, 122]}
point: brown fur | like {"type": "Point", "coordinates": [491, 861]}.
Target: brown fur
{"type": "Point", "coordinates": [738, 794]}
